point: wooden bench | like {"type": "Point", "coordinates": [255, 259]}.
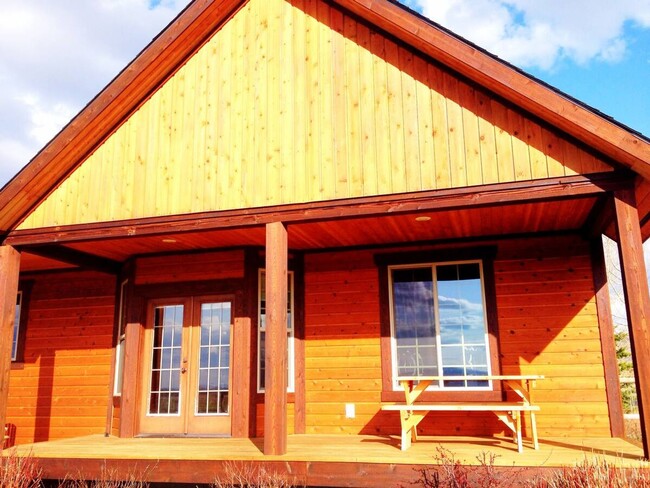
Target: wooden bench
{"type": "Point", "coordinates": [510, 413]}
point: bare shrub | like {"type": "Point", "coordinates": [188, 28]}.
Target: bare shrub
{"type": "Point", "coordinates": [19, 471]}
{"type": "Point", "coordinates": [250, 476]}
{"type": "Point", "coordinates": [449, 472]}
{"type": "Point", "coordinates": [594, 473]}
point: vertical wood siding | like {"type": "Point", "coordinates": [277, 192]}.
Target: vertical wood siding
{"type": "Point", "coordinates": [548, 325]}
{"type": "Point", "coordinates": [62, 389]}
{"type": "Point", "coordinates": [292, 102]}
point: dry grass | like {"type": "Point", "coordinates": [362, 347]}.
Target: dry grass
{"type": "Point", "coordinates": [447, 472]}
{"type": "Point", "coordinates": [19, 472]}
{"type": "Point", "coordinates": [594, 474]}
{"type": "Point", "coordinates": [633, 431]}
{"type": "Point", "coordinates": [248, 476]}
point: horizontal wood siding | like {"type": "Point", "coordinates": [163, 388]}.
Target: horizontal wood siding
{"type": "Point", "coordinates": [61, 390]}
{"type": "Point", "coordinates": [190, 267]}
{"type": "Point", "coordinates": [292, 102]}
{"type": "Point", "coordinates": [342, 343]}
{"type": "Point", "coordinates": [548, 325]}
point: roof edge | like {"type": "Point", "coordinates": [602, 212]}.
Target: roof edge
{"type": "Point", "coordinates": [105, 112]}
{"type": "Point", "coordinates": [586, 124]}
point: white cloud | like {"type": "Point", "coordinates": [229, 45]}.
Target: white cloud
{"type": "Point", "coordinates": [534, 33]}
{"type": "Point", "coordinates": [56, 56]}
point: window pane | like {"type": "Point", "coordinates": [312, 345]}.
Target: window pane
{"type": "Point", "coordinates": [214, 364]}
{"type": "Point", "coordinates": [14, 343]}
{"type": "Point", "coordinates": [462, 320]}
{"type": "Point", "coordinates": [413, 321]}
{"type": "Point", "coordinates": [262, 328]}
{"type": "Point", "coordinates": [452, 295]}
{"type": "Point", "coordinates": [166, 360]}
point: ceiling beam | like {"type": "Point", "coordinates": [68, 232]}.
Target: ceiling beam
{"type": "Point", "coordinates": [530, 191]}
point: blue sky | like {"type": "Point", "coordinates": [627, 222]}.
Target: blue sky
{"type": "Point", "coordinates": [619, 89]}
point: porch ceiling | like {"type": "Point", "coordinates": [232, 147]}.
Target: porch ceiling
{"type": "Point", "coordinates": [386, 228]}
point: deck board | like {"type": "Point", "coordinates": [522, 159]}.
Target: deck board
{"type": "Point", "coordinates": [327, 460]}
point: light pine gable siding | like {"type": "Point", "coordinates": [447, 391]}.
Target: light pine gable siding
{"type": "Point", "coordinates": [293, 102]}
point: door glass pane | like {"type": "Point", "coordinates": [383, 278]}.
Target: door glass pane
{"type": "Point", "coordinates": [214, 359]}
{"type": "Point", "coordinates": [166, 360]}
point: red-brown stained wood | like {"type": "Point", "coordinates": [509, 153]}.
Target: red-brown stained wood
{"type": "Point", "coordinates": [60, 389]}
{"type": "Point", "coordinates": [241, 386]}
{"type": "Point", "coordinates": [275, 397]}
{"type": "Point", "coordinates": [9, 271]}
{"type": "Point", "coordinates": [608, 345]}
{"type": "Point", "coordinates": [344, 340]}
{"type": "Point", "coordinates": [635, 285]}
{"type": "Point", "coordinates": [189, 267]}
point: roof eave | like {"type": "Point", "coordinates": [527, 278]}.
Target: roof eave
{"type": "Point", "coordinates": [622, 145]}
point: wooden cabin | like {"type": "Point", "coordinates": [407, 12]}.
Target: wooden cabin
{"type": "Point", "coordinates": [280, 207]}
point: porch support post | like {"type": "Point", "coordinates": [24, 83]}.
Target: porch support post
{"type": "Point", "coordinates": [9, 271]}
{"type": "Point", "coordinates": [637, 301]}
{"type": "Point", "coordinates": [275, 397]}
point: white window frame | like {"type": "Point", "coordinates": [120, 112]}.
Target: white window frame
{"type": "Point", "coordinates": [291, 331]}
{"type": "Point", "coordinates": [118, 378]}
{"type": "Point", "coordinates": [393, 339]}
{"type": "Point", "coordinates": [15, 339]}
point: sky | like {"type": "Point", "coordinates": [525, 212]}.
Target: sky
{"type": "Point", "coordinates": [55, 56]}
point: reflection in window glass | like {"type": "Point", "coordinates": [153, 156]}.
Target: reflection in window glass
{"type": "Point", "coordinates": [439, 322]}
{"type": "Point", "coordinates": [214, 361]}
{"type": "Point", "coordinates": [164, 397]}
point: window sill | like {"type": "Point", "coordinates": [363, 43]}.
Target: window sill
{"type": "Point", "coordinates": [17, 365]}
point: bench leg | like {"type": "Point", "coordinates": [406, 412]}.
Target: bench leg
{"type": "Point", "coordinates": [533, 428]}
{"type": "Point", "coordinates": [520, 444]}
{"type": "Point", "coordinates": [410, 421]}
{"type": "Point", "coordinates": [512, 420]}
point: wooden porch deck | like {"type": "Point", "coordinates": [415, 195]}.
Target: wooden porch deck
{"type": "Point", "coordinates": [316, 460]}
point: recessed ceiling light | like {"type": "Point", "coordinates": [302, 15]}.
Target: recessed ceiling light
{"type": "Point", "coordinates": [422, 218]}
{"type": "Point", "coordinates": [169, 241]}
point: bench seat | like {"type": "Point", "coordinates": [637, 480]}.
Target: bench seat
{"type": "Point", "coordinates": [508, 413]}
{"type": "Point", "coordinates": [464, 407]}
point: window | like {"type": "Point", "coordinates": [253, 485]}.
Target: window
{"type": "Point", "coordinates": [439, 323]}
{"type": "Point", "coordinates": [262, 333]}
{"type": "Point", "coordinates": [17, 331]}
{"type": "Point", "coordinates": [119, 349]}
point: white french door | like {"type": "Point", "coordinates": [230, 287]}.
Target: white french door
{"type": "Point", "coordinates": [185, 387]}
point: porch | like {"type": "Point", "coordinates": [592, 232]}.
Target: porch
{"type": "Point", "coordinates": [315, 460]}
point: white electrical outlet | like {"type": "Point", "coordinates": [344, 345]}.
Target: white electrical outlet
{"type": "Point", "coordinates": [349, 411]}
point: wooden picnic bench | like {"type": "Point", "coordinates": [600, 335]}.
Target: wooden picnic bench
{"type": "Point", "coordinates": [510, 413]}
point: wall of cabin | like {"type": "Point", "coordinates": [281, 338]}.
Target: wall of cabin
{"type": "Point", "coordinates": [293, 102]}
{"type": "Point", "coordinates": [548, 325]}
{"type": "Point", "coordinates": [547, 321]}
{"type": "Point", "coordinates": [61, 388]}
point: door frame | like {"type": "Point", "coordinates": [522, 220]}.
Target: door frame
{"type": "Point", "coordinates": [191, 303]}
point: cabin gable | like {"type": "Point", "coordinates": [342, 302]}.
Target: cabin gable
{"type": "Point", "coordinates": [296, 102]}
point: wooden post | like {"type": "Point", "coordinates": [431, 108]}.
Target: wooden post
{"type": "Point", "coordinates": [241, 385]}
{"type": "Point", "coordinates": [637, 301]}
{"type": "Point", "coordinates": [275, 397]}
{"type": "Point", "coordinates": [9, 271]}
{"type": "Point", "coordinates": [608, 346]}
{"type": "Point", "coordinates": [132, 357]}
